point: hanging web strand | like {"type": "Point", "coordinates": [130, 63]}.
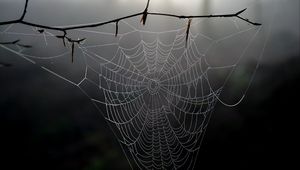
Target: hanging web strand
{"type": "Point", "coordinates": [157, 95]}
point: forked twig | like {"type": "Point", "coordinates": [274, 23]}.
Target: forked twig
{"type": "Point", "coordinates": [79, 41]}
{"type": "Point", "coordinates": [145, 13]}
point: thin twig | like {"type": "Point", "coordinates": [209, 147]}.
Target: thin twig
{"type": "Point", "coordinates": [24, 45]}
{"type": "Point", "coordinates": [16, 42]}
{"type": "Point", "coordinates": [5, 64]}
{"type": "Point", "coordinates": [10, 42]}
{"type": "Point", "coordinates": [145, 13]}
{"type": "Point", "coordinates": [73, 44]}
{"type": "Point", "coordinates": [188, 31]}
{"type": "Point", "coordinates": [24, 11]}
{"type": "Point", "coordinates": [63, 37]}
{"type": "Point", "coordinates": [117, 28]}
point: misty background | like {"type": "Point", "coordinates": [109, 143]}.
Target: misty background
{"type": "Point", "coordinates": [46, 123]}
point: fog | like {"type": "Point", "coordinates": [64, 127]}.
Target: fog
{"type": "Point", "coordinates": [48, 123]}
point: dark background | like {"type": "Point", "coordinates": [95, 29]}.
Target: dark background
{"type": "Point", "coordinates": [45, 123]}
{"type": "Point", "coordinates": [41, 130]}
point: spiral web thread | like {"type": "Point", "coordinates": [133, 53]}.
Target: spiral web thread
{"type": "Point", "coordinates": [156, 96]}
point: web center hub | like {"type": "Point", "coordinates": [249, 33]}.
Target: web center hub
{"type": "Point", "coordinates": [153, 86]}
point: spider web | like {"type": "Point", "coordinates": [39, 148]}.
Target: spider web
{"type": "Point", "coordinates": [156, 91]}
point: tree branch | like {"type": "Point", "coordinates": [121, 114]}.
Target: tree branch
{"type": "Point", "coordinates": [24, 11]}
{"type": "Point", "coordinates": [63, 29]}
{"type": "Point", "coordinates": [144, 14]}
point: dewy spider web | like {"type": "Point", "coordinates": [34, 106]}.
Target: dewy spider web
{"type": "Point", "coordinates": [156, 93]}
